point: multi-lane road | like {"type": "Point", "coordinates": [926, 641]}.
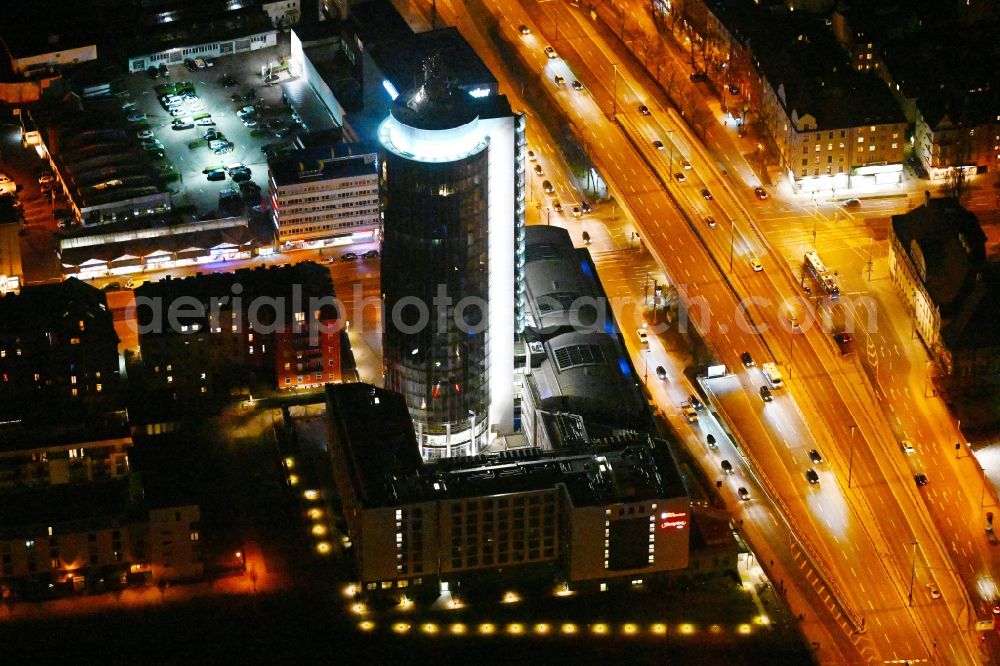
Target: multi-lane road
{"type": "Point", "coordinates": [866, 554]}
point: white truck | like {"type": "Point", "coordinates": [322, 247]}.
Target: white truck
{"type": "Point", "coordinates": [772, 375]}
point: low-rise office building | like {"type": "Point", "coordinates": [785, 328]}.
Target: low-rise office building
{"type": "Point", "coordinates": [609, 511]}
{"type": "Point", "coordinates": [325, 194]}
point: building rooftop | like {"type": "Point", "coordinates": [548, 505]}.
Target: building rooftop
{"type": "Point", "coordinates": [560, 285]}
{"type": "Point", "coordinates": [68, 506]}
{"type": "Point", "coordinates": [372, 428]}
{"type": "Point", "coordinates": [375, 22]}
{"type": "Point", "coordinates": [800, 58]}
{"type": "Point", "coordinates": [301, 166]}
{"type": "Point", "coordinates": [293, 285]}
{"type": "Point", "coordinates": [402, 60]}
{"type": "Point", "coordinates": [948, 247]}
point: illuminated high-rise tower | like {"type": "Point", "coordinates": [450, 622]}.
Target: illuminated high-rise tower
{"type": "Point", "coordinates": [454, 197]}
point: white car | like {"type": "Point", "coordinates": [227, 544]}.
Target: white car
{"type": "Point", "coordinates": [205, 122]}
{"type": "Point", "coordinates": [756, 265]}
{"type": "Point", "coordinates": [643, 336]}
{"type": "Point", "coordinates": [907, 446]}
{"type": "Point", "coordinates": [690, 413]}
{"type": "Point", "coordinates": [551, 53]}
{"type": "Point", "coordinates": [143, 134]}
{"type": "Point", "coordinates": [685, 164]}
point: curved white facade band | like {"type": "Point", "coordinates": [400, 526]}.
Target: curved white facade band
{"type": "Point", "coordinates": [422, 145]}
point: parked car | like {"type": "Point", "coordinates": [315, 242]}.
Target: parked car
{"type": "Point", "coordinates": [205, 122]}
{"type": "Point", "coordinates": [240, 175]}
{"type": "Point", "coordinates": [283, 132]}
{"type": "Point", "coordinates": [246, 111]}
{"type": "Point", "coordinates": [349, 256]}
{"type": "Point", "coordinates": [189, 64]}
{"type": "Point", "coordinates": [249, 122]}
{"type": "Point", "coordinates": [211, 134]}
{"type": "Point", "coordinates": [142, 134]}
{"type": "Point", "coordinates": [136, 117]}
{"type": "Point", "coordinates": [370, 254]}
{"type": "Point", "coordinates": [216, 174]}
{"type": "Point", "coordinates": [852, 203]}
{"type": "Point", "coordinates": [182, 126]}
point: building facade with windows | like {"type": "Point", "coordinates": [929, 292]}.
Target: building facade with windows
{"type": "Point", "coordinates": [318, 195]}
{"type": "Point", "coordinates": [453, 204]}
{"type": "Point", "coordinates": [58, 353]}
{"type": "Point", "coordinates": [609, 511]}
{"type": "Point", "coordinates": [938, 264]}
{"type": "Point", "coordinates": [279, 325]}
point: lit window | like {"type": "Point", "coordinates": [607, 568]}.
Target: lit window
{"type": "Point", "coordinates": [250, 337]}
{"type": "Point", "coordinates": [99, 388]}
{"type": "Point", "coordinates": [251, 349]}
{"type": "Point", "coordinates": [871, 148]}
{"type": "Point", "coordinates": [861, 139]}
{"type": "Point", "coordinates": [300, 316]}
{"type": "Point", "coordinates": [74, 341]}
{"type": "Point", "coordinates": [204, 389]}
{"type": "Point", "coordinates": [37, 376]}
{"type": "Point", "coordinates": [170, 379]}
{"type": "Point", "coordinates": [3, 353]}
{"type": "Point", "coordinates": [894, 145]}
{"type": "Point", "coordinates": [73, 393]}
{"type": "Point", "coordinates": [72, 379]}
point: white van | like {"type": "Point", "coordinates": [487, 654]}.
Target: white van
{"type": "Point", "coordinates": [772, 375]}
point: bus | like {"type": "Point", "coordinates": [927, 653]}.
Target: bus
{"type": "Point", "coordinates": [826, 280]}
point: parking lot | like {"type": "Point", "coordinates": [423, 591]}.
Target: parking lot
{"type": "Point", "coordinates": [214, 94]}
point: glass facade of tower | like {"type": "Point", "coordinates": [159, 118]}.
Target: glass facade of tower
{"type": "Point", "coordinates": [435, 274]}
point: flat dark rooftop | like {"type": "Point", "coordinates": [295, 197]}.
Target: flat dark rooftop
{"type": "Point", "coordinates": [381, 449]}
{"type": "Point", "coordinates": [319, 164]}
{"type": "Point", "coordinates": [96, 504]}
{"type": "Point", "coordinates": [377, 21]}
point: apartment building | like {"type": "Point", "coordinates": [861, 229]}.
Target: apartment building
{"type": "Point", "coordinates": [58, 353]}
{"type": "Point", "coordinates": [277, 325]}
{"type": "Point", "coordinates": [937, 262]}
{"type": "Point", "coordinates": [320, 195]}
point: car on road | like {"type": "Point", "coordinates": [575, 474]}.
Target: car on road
{"type": "Point", "coordinates": [577, 212]}
{"type": "Point", "coordinates": [907, 446]}
{"type": "Point", "coordinates": [811, 476]}
{"type": "Point", "coordinates": [128, 107]}
{"type": "Point", "coordinates": [576, 85]}
{"type": "Point", "coordinates": [710, 221]}
{"type": "Point", "coordinates": [559, 80]}
{"type": "Point", "coordinates": [551, 53]}
{"type": "Point", "coordinates": [177, 111]}
{"type": "Point", "coordinates": [661, 372]}
{"type": "Point", "coordinates": [698, 77]}
{"type": "Point", "coordinates": [523, 29]}
{"type": "Point", "coordinates": [726, 466]}
{"type": "Point", "coordinates": [695, 402]}
{"type": "Point", "coordinates": [151, 144]}
{"type": "Point", "coordinates": [685, 163]}
{"type": "Point", "coordinates": [935, 592]}
{"type": "Point", "coordinates": [212, 134]}
{"type": "Point", "coordinates": [548, 187]}
{"type": "Point", "coordinates": [643, 336]}
{"type": "Point", "coordinates": [557, 206]}
{"type": "Point", "coordinates": [705, 193]}
{"type": "Point", "coordinates": [852, 203]}
{"type": "Point", "coordinates": [743, 494]}
{"type": "Point", "coordinates": [349, 256]}
{"type": "Point", "coordinates": [586, 207]}
{"type": "Point", "coordinates": [658, 144]}
{"type": "Point", "coordinates": [531, 156]}
{"type": "Point", "coordinates": [136, 117]}
{"type": "Point", "coordinates": [644, 110]}
{"type": "Point", "coordinates": [246, 111]}
{"type": "Point", "coordinates": [844, 342]}
{"type": "Point", "coordinates": [539, 171]}
{"type": "Point", "coordinates": [680, 177]}
{"type": "Point", "coordinates": [760, 193]}
{"type": "Point", "coordinates": [756, 265]}
{"type": "Point", "coordinates": [747, 360]}
{"type": "Point", "coordinates": [920, 479]}
{"type": "Point", "coordinates": [814, 455]}
{"type": "Point", "coordinates": [690, 413]}
{"type": "Point", "coordinates": [710, 440]}
{"type": "Point", "coordinates": [370, 254]}
{"type": "Point", "coordinates": [793, 321]}
{"type": "Point", "coordinates": [765, 394]}
{"type": "Point", "coordinates": [216, 174]}
{"type": "Point", "coordinates": [142, 134]}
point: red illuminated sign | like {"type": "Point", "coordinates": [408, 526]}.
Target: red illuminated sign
{"type": "Point", "coordinates": [673, 520]}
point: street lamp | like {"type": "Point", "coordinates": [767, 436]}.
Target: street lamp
{"type": "Point", "coordinates": [850, 460]}
{"type": "Point", "coordinates": [645, 367]}
{"type": "Point", "coordinates": [670, 169]}
{"type": "Point", "coordinates": [614, 91]}
{"type": "Point", "coordinates": [913, 570]}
